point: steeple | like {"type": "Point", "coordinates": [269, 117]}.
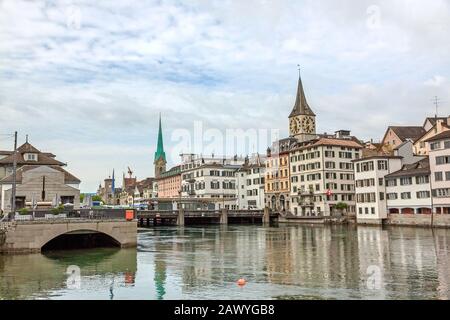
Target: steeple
{"type": "Point", "coordinates": [160, 156]}
{"type": "Point", "coordinates": [301, 106]}
{"type": "Point", "coordinates": [160, 148]}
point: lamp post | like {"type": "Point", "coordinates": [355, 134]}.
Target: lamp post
{"type": "Point", "coordinates": [14, 176]}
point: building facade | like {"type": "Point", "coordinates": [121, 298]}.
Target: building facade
{"type": "Point", "coordinates": [250, 184]}
{"type": "Point", "coordinates": [169, 183]}
{"type": "Point", "coordinates": [408, 190]}
{"type": "Point", "coordinates": [370, 185]}
{"type": "Point", "coordinates": [210, 178]}
{"type": "Point", "coordinates": [41, 180]}
{"type": "Point", "coordinates": [439, 157]}
{"type": "Point", "coordinates": [321, 174]}
{"type": "Point", "coordinates": [277, 176]}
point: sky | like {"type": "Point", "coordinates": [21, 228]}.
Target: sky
{"type": "Point", "coordinates": [87, 80]}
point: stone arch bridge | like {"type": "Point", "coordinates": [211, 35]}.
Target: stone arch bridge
{"type": "Point", "coordinates": [32, 236]}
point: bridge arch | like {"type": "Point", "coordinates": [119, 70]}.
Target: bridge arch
{"type": "Point", "coordinates": [78, 239]}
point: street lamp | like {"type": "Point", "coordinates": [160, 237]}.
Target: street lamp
{"type": "Point", "coordinates": [14, 183]}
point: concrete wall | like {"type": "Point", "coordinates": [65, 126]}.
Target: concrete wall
{"type": "Point", "coordinates": [31, 236]}
{"type": "Point", "coordinates": [423, 220]}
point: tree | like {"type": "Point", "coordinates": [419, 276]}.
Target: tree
{"type": "Point", "coordinates": [82, 195]}
{"type": "Point", "coordinates": [97, 198]}
{"type": "Point", "coordinates": [341, 206]}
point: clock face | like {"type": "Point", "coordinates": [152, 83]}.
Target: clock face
{"type": "Point", "coordinates": [294, 125]}
{"type": "Point", "coordinates": [308, 125]}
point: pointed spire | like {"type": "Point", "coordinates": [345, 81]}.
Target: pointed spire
{"type": "Point", "coordinates": [160, 147]}
{"type": "Point", "coordinates": [301, 105]}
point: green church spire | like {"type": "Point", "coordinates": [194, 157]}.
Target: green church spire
{"type": "Point", "coordinates": [160, 154]}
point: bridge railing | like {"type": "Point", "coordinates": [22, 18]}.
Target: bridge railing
{"type": "Point", "coordinates": [94, 214]}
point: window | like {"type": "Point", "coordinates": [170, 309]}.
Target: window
{"type": "Point", "coordinates": [405, 181]}
{"type": "Point", "coordinates": [435, 145]}
{"type": "Point", "coordinates": [447, 175]}
{"type": "Point", "coordinates": [447, 144]}
{"type": "Point", "coordinates": [372, 210]}
{"type": "Point", "coordinates": [438, 176]}
{"type": "Point", "coordinates": [392, 196]}
{"type": "Point", "coordinates": [422, 179]}
{"type": "Point", "coordinates": [330, 165]}
{"type": "Point", "coordinates": [380, 181]}
{"type": "Point", "coordinates": [381, 196]}
{"type": "Point", "coordinates": [440, 193]}
{"type": "Point", "coordinates": [391, 182]}
{"type": "Point", "coordinates": [406, 195]}
{"type": "Point", "coordinates": [367, 166]}
{"type": "Point", "coordinates": [423, 194]}
{"type": "Point", "coordinates": [31, 157]}
{"type": "Point", "coordinates": [382, 165]}
{"type": "Point", "coordinates": [442, 160]}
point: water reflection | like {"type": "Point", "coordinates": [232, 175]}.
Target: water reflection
{"type": "Point", "coordinates": [285, 262]}
{"type": "Point", "coordinates": [302, 262]}
{"type": "Point", "coordinates": [42, 276]}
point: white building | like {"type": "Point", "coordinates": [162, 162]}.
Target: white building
{"type": "Point", "coordinates": [210, 178]}
{"type": "Point", "coordinates": [371, 202]}
{"type": "Point", "coordinates": [250, 184]}
{"type": "Point", "coordinates": [321, 172]}
{"type": "Point", "coordinates": [408, 190]}
{"type": "Point", "coordinates": [439, 153]}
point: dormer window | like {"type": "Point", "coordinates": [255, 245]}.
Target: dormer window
{"type": "Point", "coordinates": [30, 157]}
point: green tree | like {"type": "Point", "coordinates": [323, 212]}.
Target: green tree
{"type": "Point", "coordinates": [82, 195]}
{"type": "Point", "coordinates": [97, 198]}
{"type": "Point", "coordinates": [341, 206]}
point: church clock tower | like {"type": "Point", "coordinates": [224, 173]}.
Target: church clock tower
{"type": "Point", "coordinates": [302, 121]}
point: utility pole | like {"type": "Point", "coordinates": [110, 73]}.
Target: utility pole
{"type": "Point", "coordinates": [14, 184]}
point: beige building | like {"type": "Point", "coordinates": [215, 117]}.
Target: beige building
{"type": "Point", "coordinates": [396, 135]}
{"type": "Point", "coordinates": [41, 180]}
{"type": "Point", "coordinates": [277, 182]}
{"type": "Point", "coordinates": [433, 127]}
{"type": "Point", "coordinates": [321, 174]}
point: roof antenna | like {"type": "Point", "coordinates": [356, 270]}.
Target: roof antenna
{"type": "Point", "coordinates": [436, 101]}
{"type": "Point", "coordinates": [26, 139]}
{"type": "Point", "coordinates": [298, 70]}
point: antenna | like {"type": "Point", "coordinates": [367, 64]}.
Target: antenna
{"type": "Point", "coordinates": [436, 101]}
{"type": "Point", "coordinates": [298, 66]}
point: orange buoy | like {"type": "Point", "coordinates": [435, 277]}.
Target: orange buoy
{"type": "Point", "coordinates": [241, 282]}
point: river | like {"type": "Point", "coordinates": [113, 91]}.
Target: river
{"type": "Point", "coordinates": [279, 262]}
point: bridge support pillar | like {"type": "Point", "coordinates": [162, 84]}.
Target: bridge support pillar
{"type": "Point", "coordinates": [224, 216]}
{"type": "Point", "coordinates": [266, 216]}
{"type": "Point", "coordinates": [180, 218]}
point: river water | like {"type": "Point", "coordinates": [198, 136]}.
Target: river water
{"type": "Point", "coordinates": [205, 262]}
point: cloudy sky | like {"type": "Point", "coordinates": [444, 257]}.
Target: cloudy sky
{"type": "Point", "coordinates": [87, 80]}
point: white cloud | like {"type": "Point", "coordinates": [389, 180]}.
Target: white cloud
{"type": "Point", "coordinates": [436, 81]}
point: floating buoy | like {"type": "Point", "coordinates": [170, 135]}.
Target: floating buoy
{"type": "Point", "coordinates": [241, 282]}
